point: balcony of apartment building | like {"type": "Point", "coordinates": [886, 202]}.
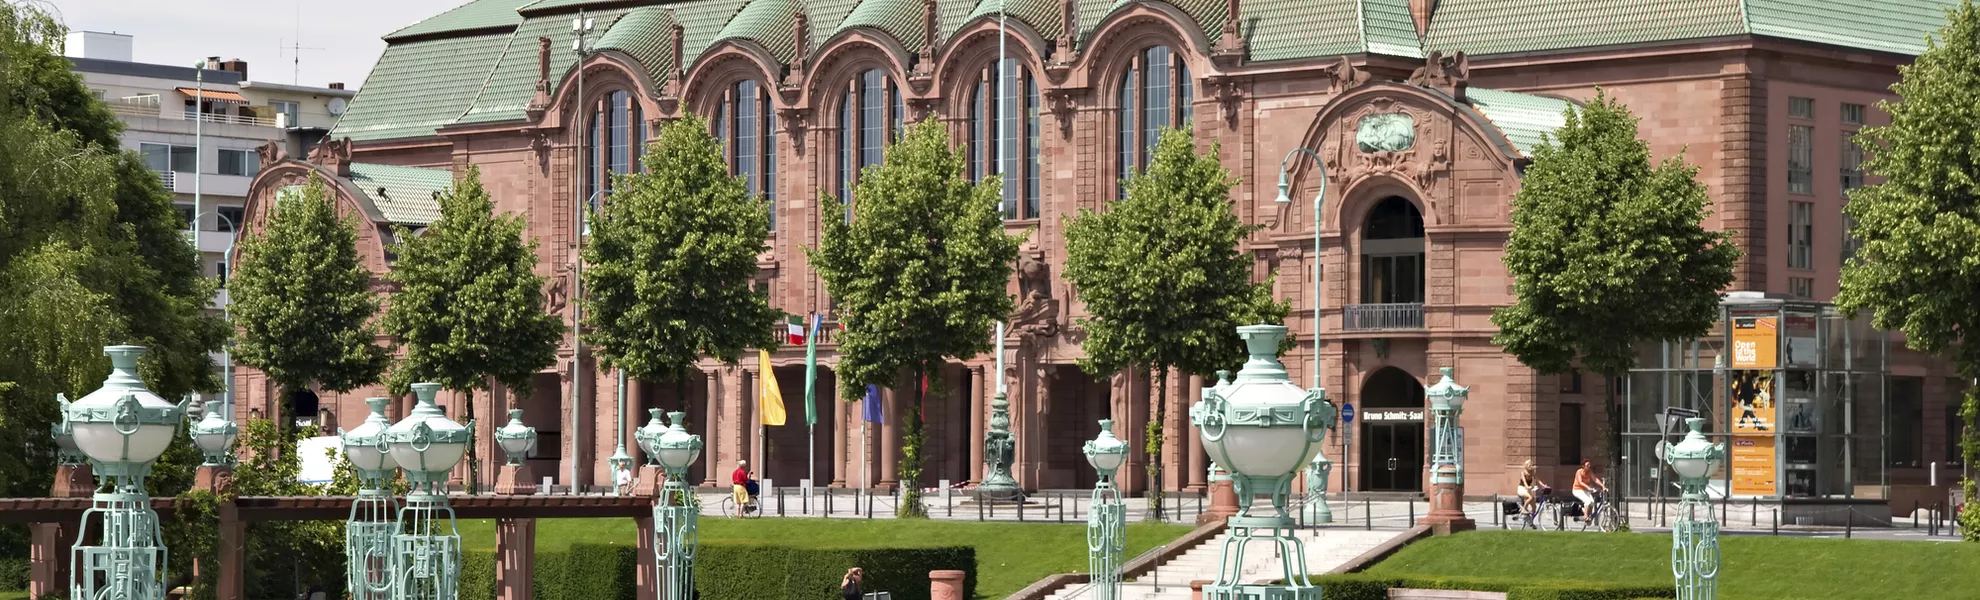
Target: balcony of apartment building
{"type": "Point", "coordinates": [219, 113]}
{"type": "Point", "coordinates": [1391, 270]}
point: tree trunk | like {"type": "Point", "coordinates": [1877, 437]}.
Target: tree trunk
{"type": "Point", "coordinates": [1157, 419]}
{"type": "Point", "coordinates": [1969, 448]}
{"type": "Point", "coordinates": [910, 465]}
{"type": "Point", "coordinates": [1615, 446]}
{"type": "Point", "coordinates": [467, 418]}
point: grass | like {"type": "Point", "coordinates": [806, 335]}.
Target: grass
{"type": "Point", "coordinates": [1009, 556]}
{"type": "Point", "coordinates": [1751, 567]}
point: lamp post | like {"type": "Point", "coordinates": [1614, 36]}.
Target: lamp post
{"type": "Point", "coordinates": [517, 441]}
{"type": "Point", "coordinates": [1262, 429]}
{"type": "Point", "coordinates": [1106, 523]}
{"type": "Point", "coordinates": [123, 428]}
{"type": "Point", "coordinates": [1695, 536]}
{"type": "Point", "coordinates": [426, 553]}
{"type": "Point", "coordinates": [1447, 457]}
{"type": "Point", "coordinates": [675, 510]}
{"type": "Point", "coordinates": [1320, 469]}
{"type": "Point", "coordinates": [368, 531]}
{"type": "Point", "coordinates": [226, 310]}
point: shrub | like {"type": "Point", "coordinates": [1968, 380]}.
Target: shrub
{"type": "Point", "coordinates": [728, 571]}
{"type": "Point", "coordinates": [13, 573]}
{"type": "Point", "coordinates": [1370, 587]}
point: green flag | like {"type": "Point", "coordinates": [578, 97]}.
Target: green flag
{"type": "Point", "coordinates": [811, 373]}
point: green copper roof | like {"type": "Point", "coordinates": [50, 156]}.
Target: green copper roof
{"type": "Point", "coordinates": [478, 14]}
{"type": "Point", "coordinates": [1292, 29]}
{"type": "Point", "coordinates": [1386, 28]}
{"type": "Point", "coordinates": [1899, 26]}
{"type": "Point", "coordinates": [548, 5]}
{"type": "Point", "coordinates": [1502, 26]}
{"type": "Point", "coordinates": [1042, 15]}
{"type": "Point", "coordinates": [1524, 118]}
{"type": "Point", "coordinates": [769, 23]}
{"type": "Point", "coordinates": [418, 87]}
{"type": "Point", "coordinates": [826, 15]}
{"type": "Point", "coordinates": [513, 82]}
{"type": "Point", "coordinates": [899, 18]}
{"type": "Point", "coordinates": [647, 35]}
{"type": "Point", "coordinates": [409, 192]}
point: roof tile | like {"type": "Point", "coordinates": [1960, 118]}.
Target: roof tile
{"type": "Point", "coordinates": [418, 87]}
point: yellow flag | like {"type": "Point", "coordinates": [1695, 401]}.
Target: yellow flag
{"type": "Point", "coordinates": [770, 400]}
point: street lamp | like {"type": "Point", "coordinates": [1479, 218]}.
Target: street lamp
{"type": "Point", "coordinates": [426, 553]}
{"type": "Point", "coordinates": [1106, 523]}
{"type": "Point", "coordinates": [675, 511]}
{"type": "Point", "coordinates": [368, 531]}
{"type": "Point", "coordinates": [1319, 200]}
{"type": "Point", "coordinates": [214, 434]}
{"type": "Point", "coordinates": [1447, 457]}
{"type": "Point", "coordinates": [1262, 429]}
{"type": "Point", "coordinates": [515, 438]}
{"type": "Point", "coordinates": [122, 427]}
{"type": "Point", "coordinates": [1695, 536]}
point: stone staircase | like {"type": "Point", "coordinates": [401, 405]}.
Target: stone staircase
{"type": "Point", "coordinates": [1326, 549]}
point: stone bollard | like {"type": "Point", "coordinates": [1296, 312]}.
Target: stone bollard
{"type": "Point", "coordinates": [946, 585]}
{"type": "Point", "coordinates": [1196, 589]}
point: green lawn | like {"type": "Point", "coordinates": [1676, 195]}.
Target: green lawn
{"type": "Point", "coordinates": [1751, 568]}
{"type": "Point", "coordinates": [1009, 556]}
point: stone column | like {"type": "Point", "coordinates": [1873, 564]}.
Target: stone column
{"type": "Point", "coordinates": [980, 390]}
{"type": "Point", "coordinates": [711, 416]}
{"type": "Point", "coordinates": [645, 574]}
{"type": "Point", "coordinates": [842, 419]}
{"type": "Point", "coordinates": [48, 557]}
{"type": "Point", "coordinates": [946, 585]}
{"type": "Point", "coordinates": [231, 554]}
{"type": "Point", "coordinates": [1175, 425]}
{"type": "Point", "coordinates": [1130, 412]}
{"type": "Point", "coordinates": [515, 556]}
{"type": "Point", "coordinates": [889, 448]}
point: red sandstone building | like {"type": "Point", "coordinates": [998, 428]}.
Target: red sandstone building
{"type": "Point", "coordinates": [1760, 95]}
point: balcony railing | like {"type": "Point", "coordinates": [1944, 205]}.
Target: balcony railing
{"type": "Point", "coordinates": [231, 119]}
{"type": "Point", "coordinates": [167, 177]}
{"type": "Point", "coordinates": [781, 328]}
{"type": "Point", "coordinates": [1377, 317]}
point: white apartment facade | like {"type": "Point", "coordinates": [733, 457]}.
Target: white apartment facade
{"type": "Point", "coordinates": [199, 126]}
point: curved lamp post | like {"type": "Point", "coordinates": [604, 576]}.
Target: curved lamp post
{"type": "Point", "coordinates": [1263, 429]}
{"type": "Point", "coordinates": [1106, 523]}
{"type": "Point", "coordinates": [676, 510]}
{"type": "Point", "coordinates": [368, 531]}
{"type": "Point", "coordinates": [426, 553]}
{"type": "Point", "coordinates": [122, 428]}
{"type": "Point", "coordinates": [1695, 536]}
{"type": "Point", "coordinates": [1447, 456]}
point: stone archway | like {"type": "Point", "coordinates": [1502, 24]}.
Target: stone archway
{"type": "Point", "coordinates": [1392, 432]}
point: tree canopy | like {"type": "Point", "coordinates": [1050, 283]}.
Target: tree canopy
{"type": "Point", "coordinates": [303, 300]}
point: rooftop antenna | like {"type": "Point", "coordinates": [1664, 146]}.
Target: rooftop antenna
{"type": "Point", "coordinates": [295, 49]}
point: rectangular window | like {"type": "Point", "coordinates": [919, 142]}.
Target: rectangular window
{"type": "Point", "coordinates": [231, 217]}
{"type": "Point", "coordinates": [1801, 108]}
{"type": "Point", "coordinates": [1571, 381]}
{"type": "Point", "coordinates": [1907, 422]}
{"type": "Point", "coordinates": [1801, 235]}
{"type": "Point", "coordinates": [1801, 287]}
{"type": "Point", "coordinates": [1852, 163]}
{"type": "Point", "coordinates": [1570, 434]}
{"type": "Point", "coordinates": [220, 271]}
{"type": "Point", "coordinates": [184, 159]}
{"type": "Point", "coordinates": [769, 159]}
{"type": "Point", "coordinates": [293, 110]}
{"type": "Point", "coordinates": [1801, 159]}
{"type": "Point", "coordinates": [1955, 394]}
{"type": "Point", "coordinates": [157, 157]}
{"type": "Point", "coordinates": [185, 213]}
{"type": "Point", "coordinates": [236, 162]}
{"type": "Point", "coordinates": [1852, 113]}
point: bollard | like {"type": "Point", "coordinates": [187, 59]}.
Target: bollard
{"type": "Point", "coordinates": [1849, 522]}
{"type": "Point", "coordinates": [828, 503]}
{"type": "Point", "coordinates": [869, 505]}
{"type": "Point", "coordinates": [1412, 512]}
{"type": "Point", "coordinates": [950, 503]}
{"type": "Point", "coordinates": [1020, 508]}
{"type": "Point", "coordinates": [979, 508]}
{"type": "Point", "coordinates": [1368, 514]}
{"type": "Point", "coordinates": [1777, 521]}
{"type": "Point", "coordinates": [1914, 514]}
{"type": "Point", "coordinates": [780, 501]}
{"type": "Point", "coordinates": [1755, 518]}
{"type": "Point", "coordinates": [1498, 512]}
{"type": "Point", "coordinates": [1062, 507]}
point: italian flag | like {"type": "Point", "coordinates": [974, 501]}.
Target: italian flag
{"type": "Point", "coordinates": [793, 330]}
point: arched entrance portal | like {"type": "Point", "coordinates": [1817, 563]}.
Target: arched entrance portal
{"type": "Point", "coordinates": [1391, 418]}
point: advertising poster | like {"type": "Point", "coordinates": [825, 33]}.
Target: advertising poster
{"type": "Point", "coordinates": [1753, 472]}
{"type": "Point", "coordinates": [1799, 332]}
{"type": "Point", "coordinates": [1756, 343]}
{"type": "Point", "coordinates": [1753, 402]}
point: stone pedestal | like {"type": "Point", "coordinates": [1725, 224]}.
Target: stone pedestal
{"type": "Point", "coordinates": [646, 574]}
{"type": "Point", "coordinates": [516, 480]}
{"type": "Point", "coordinates": [515, 558]}
{"type": "Point", "coordinates": [1196, 588]}
{"type": "Point", "coordinates": [1447, 510]}
{"type": "Point", "coordinates": [946, 585]}
{"type": "Point", "coordinates": [648, 481]}
{"type": "Point", "coordinates": [231, 554]}
{"type": "Point", "coordinates": [1223, 502]}
{"type": "Point", "coordinates": [48, 559]}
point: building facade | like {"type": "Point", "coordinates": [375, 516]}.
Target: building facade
{"type": "Point", "coordinates": [199, 127]}
{"type": "Point", "coordinates": [1422, 113]}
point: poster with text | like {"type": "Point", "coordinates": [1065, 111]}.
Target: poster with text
{"type": "Point", "coordinates": [1756, 343]}
{"type": "Point", "coordinates": [1753, 467]}
{"type": "Point", "coordinates": [1753, 401]}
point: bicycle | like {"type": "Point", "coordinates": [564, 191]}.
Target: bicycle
{"type": "Point", "coordinates": [1601, 514]}
{"type": "Point", "coordinates": [1543, 501]}
{"type": "Point", "coordinates": [751, 509]}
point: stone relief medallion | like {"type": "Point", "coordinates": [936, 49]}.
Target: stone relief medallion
{"type": "Point", "coordinates": [1385, 132]}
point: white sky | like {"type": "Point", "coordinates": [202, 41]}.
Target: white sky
{"type": "Point", "coordinates": [344, 33]}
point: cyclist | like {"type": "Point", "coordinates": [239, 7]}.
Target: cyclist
{"type": "Point", "coordinates": [1586, 485]}
{"type": "Point", "coordinates": [744, 488]}
{"type": "Point", "coordinates": [1529, 487]}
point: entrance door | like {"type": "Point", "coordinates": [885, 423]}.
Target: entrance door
{"type": "Point", "coordinates": [1394, 454]}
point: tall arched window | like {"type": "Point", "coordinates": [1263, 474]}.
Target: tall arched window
{"type": "Point", "coordinates": [746, 122]}
{"type": "Point", "coordinates": [613, 143]}
{"type": "Point", "coordinates": [870, 116]}
{"type": "Point", "coordinates": [996, 147]}
{"type": "Point", "coordinates": [1156, 92]}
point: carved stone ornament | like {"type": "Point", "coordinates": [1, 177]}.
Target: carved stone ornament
{"type": "Point", "coordinates": [1438, 161]}
{"type": "Point", "coordinates": [792, 120]}
{"type": "Point", "coordinates": [272, 152]}
{"type": "Point", "coordinates": [1064, 105]}
{"type": "Point", "coordinates": [334, 155]}
{"type": "Point", "coordinates": [1230, 96]}
{"type": "Point", "coordinates": [1346, 76]}
{"type": "Point", "coordinates": [1385, 132]}
{"type": "Point", "coordinates": [556, 294]}
{"type": "Point", "coordinates": [1448, 73]}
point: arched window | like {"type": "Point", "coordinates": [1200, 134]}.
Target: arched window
{"type": "Point", "coordinates": [612, 144]}
{"type": "Point", "coordinates": [1156, 92]}
{"type": "Point", "coordinates": [1392, 253]}
{"type": "Point", "coordinates": [870, 117]}
{"type": "Point", "coordinates": [995, 147]}
{"type": "Point", "coordinates": [746, 122]}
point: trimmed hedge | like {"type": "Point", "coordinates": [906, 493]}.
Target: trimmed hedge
{"type": "Point", "coordinates": [13, 573]}
{"type": "Point", "coordinates": [729, 572]}
{"type": "Point", "coordinates": [1374, 587]}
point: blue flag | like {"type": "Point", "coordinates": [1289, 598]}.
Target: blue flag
{"type": "Point", "coordinates": [872, 405]}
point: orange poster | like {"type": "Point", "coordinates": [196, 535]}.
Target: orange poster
{"type": "Point", "coordinates": [1756, 343]}
{"type": "Point", "coordinates": [1753, 402]}
{"type": "Point", "coordinates": [1753, 472]}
